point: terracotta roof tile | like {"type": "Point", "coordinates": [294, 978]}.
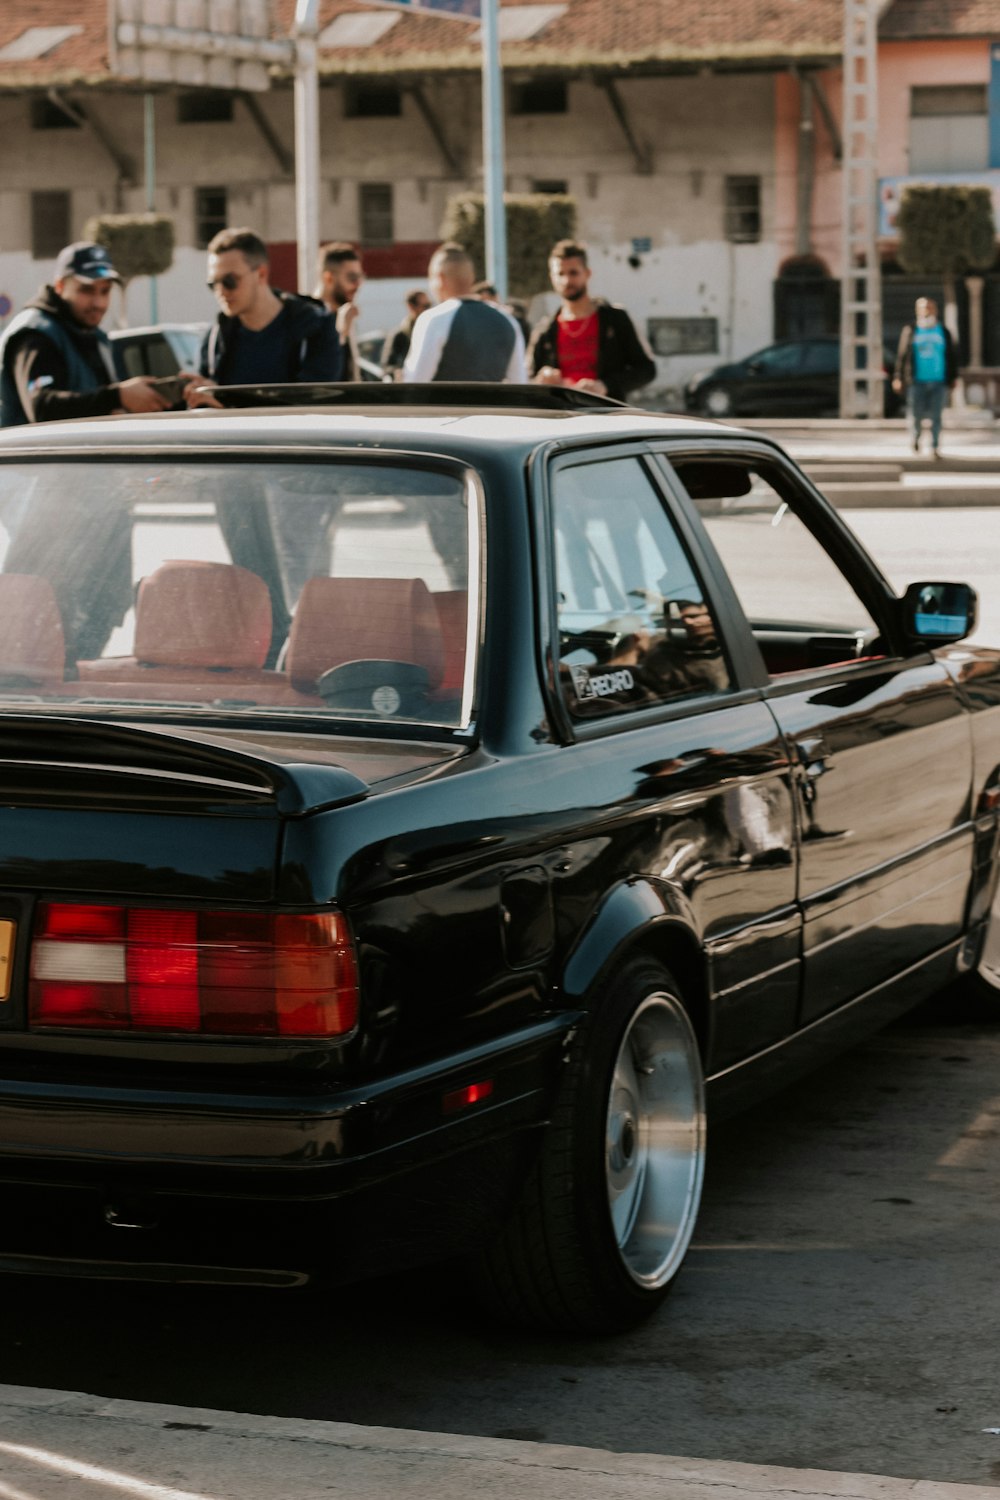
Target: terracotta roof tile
{"type": "Point", "coordinates": [80, 57]}
{"type": "Point", "coordinates": [915, 19]}
{"type": "Point", "coordinates": [629, 32]}
{"type": "Point", "coordinates": [613, 33]}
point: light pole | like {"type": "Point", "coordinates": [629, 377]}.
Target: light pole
{"type": "Point", "coordinates": [493, 150]}
{"type": "Point", "coordinates": [149, 144]}
{"type": "Point", "coordinates": [306, 140]}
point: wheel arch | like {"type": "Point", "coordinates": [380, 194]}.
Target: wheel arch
{"type": "Point", "coordinates": [639, 917]}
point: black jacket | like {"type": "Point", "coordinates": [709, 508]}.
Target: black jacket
{"type": "Point", "coordinates": [904, 357]}
{"type": "Point", "coordinates": [397, 347]}
{"type": "Point", "coordinates": [69, 371]}
{"type": "Point", "coordinates": [307, 347]}
{"type": "Point", "coordinates": [623, 361]}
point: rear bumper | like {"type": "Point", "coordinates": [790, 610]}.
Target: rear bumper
{"type": "Point", "coordinates": [358, 1180]}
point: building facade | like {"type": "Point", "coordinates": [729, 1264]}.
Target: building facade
{"type": "Point", "coordinates": [699, 140]}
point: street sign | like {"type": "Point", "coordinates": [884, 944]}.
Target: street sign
{"type": "Point", "coordinates": [226, 44]}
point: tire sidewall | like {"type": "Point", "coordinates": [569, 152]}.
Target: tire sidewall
{"type": "Point", "coordinates": [602, 1034]}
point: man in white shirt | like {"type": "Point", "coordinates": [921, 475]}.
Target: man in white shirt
{"type": "Point", "coordinates": [463, 338]}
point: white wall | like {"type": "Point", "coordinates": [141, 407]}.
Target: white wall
{"type": "Point", "coordinates": [696, 129]}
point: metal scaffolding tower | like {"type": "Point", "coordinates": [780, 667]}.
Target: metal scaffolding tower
{"type": "Point", "coordinates": [861, 374]}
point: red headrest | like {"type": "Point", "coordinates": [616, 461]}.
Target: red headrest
{"type": "Point", "coordinates": [32, 644]}
{"type": "Point", "coordinates": [363, 619]}
{"type": "Point", "coordinates": [32, 641]}
{"type": "Point", "coordinates": [202, 614]}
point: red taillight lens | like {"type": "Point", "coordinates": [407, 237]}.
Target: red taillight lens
{"type": "Point", "coordinates": [221, 973]}
{"type": "Point", "coordinates": [464, 1098]}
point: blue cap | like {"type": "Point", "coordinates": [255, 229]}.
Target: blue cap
{"type": "Point", "coordinates": [86, 261]}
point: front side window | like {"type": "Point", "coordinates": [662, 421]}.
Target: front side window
{"type": "Point", "coordinates": [338, 589]}
{"type": "Point", "coordinates": [804, 612]}
{"type": "Point", "coordinates": [780, 359]}
{"type": "Point", "coordinates": [635, 628]}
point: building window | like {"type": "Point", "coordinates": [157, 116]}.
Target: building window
{"type": "Point", "coordinates": [49, 224]}
{"type": "Point", "coordinates": [46, 115]}
{"type": "Point", "coordinates": [670, 336]}
{"type": "Point", "coordinates": [742, 210]}
{"type": "Point", "coordinates": [372, 101]}
{"type": "Point", "coordinates": [205, 107]}
{"type": "Point", "coordinates": [211, 213]}
{"type": "Point", "coordinates": [539, 96]}
{"type": "Point", "coordinates": [949, 129]}
{"type": "Point", "coordinates": [375, 213]}
{"type": "Point", "coordinates": [551, 185]}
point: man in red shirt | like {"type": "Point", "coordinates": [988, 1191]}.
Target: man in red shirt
{"type": "Point", "coordinates": [589, 343]}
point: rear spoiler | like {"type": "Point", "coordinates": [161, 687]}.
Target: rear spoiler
{"type": "Point", "coordinates": [55, 760]}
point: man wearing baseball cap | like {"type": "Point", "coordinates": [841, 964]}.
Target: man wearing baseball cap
{"type": "Point", "coordinates": [54, 359]}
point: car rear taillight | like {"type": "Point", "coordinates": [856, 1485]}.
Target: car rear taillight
{"type": "Point", "coordinates": [219, 973]}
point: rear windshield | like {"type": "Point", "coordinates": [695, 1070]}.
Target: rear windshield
{"type": "Point", "coordinates": [335, 589]}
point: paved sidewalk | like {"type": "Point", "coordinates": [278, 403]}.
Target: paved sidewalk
{"type": "Point", "coordinates": [963, 439]}
{"type": "Point", "coordinates": [56, 1444]}
{"type": "Point", "coordinates": [872, 466]}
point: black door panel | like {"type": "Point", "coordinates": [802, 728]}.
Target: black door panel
{"type": "Point", "coordinates": [883, 873]}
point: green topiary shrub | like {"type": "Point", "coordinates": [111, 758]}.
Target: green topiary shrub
{"type": "Point", "coordinates": [139, 244]}
{"type": "Point", "coordinates": [535, 221]}
{"type": "Point", "coordinates": [946, 231]}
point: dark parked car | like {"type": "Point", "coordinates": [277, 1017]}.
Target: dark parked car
{"type": "Point", "coordinates": [795, 378]}
{"type": "Point", "coordinates": [414, 813]}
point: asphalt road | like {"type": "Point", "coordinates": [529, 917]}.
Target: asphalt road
{"type": "Point", "coordinates": [838, 1310]}
{"type": "Point", "coordinates": [958, 544]}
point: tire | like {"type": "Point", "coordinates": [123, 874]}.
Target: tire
{"type": "Point", "coordinates": [979, 989]}
{"type": "Point", "coordinates": [717, 402]}
{"type": "Point", "coordinates": [610, 1205]}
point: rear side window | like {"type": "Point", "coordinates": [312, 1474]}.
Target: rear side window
{"type": "Point", "coordinates": [821, 358]}
{"type": "Point", "coordinates": [635, 628]}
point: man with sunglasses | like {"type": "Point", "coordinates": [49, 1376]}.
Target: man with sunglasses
{"type": "Point", "coordinates": [261, 336]}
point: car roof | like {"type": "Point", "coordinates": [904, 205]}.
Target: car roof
{"type": "Point", "coordinates": [442, 427]}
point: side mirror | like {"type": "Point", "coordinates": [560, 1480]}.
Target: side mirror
{"type": "Point", "coordinates": [939, 613]}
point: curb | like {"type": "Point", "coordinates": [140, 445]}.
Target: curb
{"type": "Point", "coordinates": [906, 497]}
{"type": "Point", "coordinates": [181, 1453]}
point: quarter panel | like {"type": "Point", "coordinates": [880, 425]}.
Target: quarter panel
{"type": "Point", "coordinates": [699, 807]}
